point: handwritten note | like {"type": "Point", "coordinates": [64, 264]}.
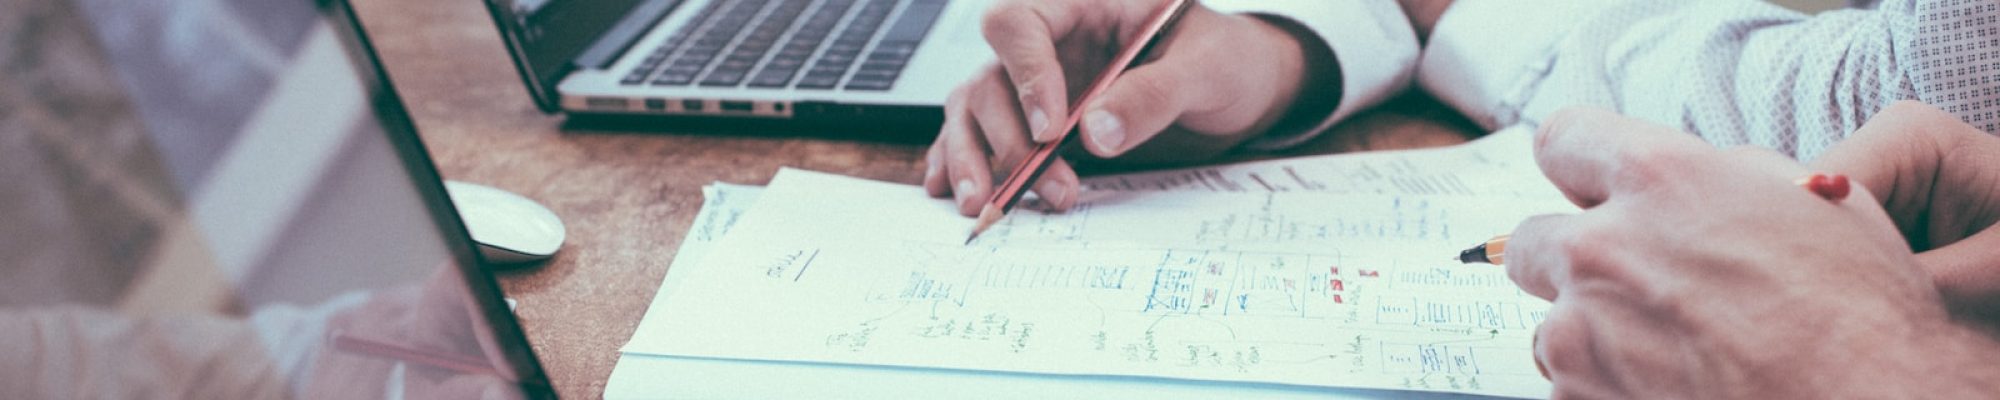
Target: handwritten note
{"type": "Point", "coordinates": [1352, 290]}
{"type": "Point", "coordinates": [1495, 165]}
{"type": "Point", "coordinates": [1335, 275]}
{"type": "Point", "coordinates": [723, 204]}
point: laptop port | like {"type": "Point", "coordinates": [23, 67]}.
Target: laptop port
{"type": "Point", "coordinates": [605, 103]}
{"type": "Point", "coordinates": [738, 106]}
{"type": "Point", "coordinates": [693, 105]}
{"type": "Point", "coordinates": [656, 104]}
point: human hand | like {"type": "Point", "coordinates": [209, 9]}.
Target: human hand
{"type": "Point", "coordinates": [1940, 181]}
{"type": "Point", "coordinates": [436, 318]}
{"type": "Point", "coordinates": [1221, 79]}
{"type": "Point", "coordinates": [1697, 273]}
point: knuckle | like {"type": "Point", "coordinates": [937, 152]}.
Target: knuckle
{"type": "Point", "coordinates": [1566, 343]}
{"type": "Point", "coordinates": [1009, 156]}
{"type": "Point", "coordinates": [1584, 250]}
{"type": "Point", "coordinates": [1649, 166]}
{"type": "Point", "coordinates": [956, 101]}
{"type": "Point", "coordinates": [1004, 20]}
{"type": "Point", "coordinates": [1564, 121]}
{"type": "Point", "coordinates": [1153, 87]}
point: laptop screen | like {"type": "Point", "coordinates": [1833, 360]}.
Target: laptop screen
{"type": "Point", "coordinates": [225, 199]}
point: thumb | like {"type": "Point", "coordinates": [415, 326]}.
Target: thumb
{"type": "Point", "coordinates": [1140, 104]}
{"type": "Point", "coordinates": [1965, 273]}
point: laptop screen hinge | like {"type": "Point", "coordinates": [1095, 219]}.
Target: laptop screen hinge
{"type": "Point", "coordinates": [626, 33]}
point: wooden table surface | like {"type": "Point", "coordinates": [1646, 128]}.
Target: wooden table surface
{"type": "Point", "coordinates": [629, 198]}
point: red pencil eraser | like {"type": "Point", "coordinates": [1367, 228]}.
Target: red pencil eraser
{"type": "Point", "coordinates": [1831, 187]}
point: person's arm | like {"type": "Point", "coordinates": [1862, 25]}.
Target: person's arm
{"type": "Point", "coordinates": [1358, 54]}
{"type": "Point", "coordinates": [1733, 72]}
{"type": "Point", "coordinates": [1700, 273]}
{"type": "Point", "coordinates": [75, 352]}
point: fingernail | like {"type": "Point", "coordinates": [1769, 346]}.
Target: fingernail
{"type": "Point", "coordinates": [1038, 120]}
{"type": "Point", "coordinates": [964, 191]}
{"type": "Point", "coordinates": [930, 168]}
{"type": "Point", "coordinates": [1106, 130]}
{"type": "Point", "coordinates": [1533, 342]}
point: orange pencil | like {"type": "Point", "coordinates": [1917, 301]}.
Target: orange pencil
{"type": "Point", "coordinates": [1830, 187]}
{"type": "Point", "coordinates": [1024, 175]}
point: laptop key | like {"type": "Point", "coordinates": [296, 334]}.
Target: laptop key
{"type": "Point", "coordinates": [872, 85]}
{"type": "Point", "coordinates": [788, 63]}
{"type": "Point", "coordinates": [721, 78]}
{"type": "Point", "coordinates": [875, 75]}
{"type": "Point", "coordinates": [837, 59]}
{"type": "Point", "coordinates": [673, 79]}
{"type": "Point", "coordinates": [770, 78]}
{"type": "Point", "coordinates": [839, 47]}
{"type": "Point", "coordinates": [879, 69]}
{"type": "Point", "coordinates": [816, 80]}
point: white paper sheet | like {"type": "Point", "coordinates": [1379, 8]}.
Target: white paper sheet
{"type": "Point", "coordinates": [644, 376]}
{"type": "Point", "coordinates": [1440, 345]}
{"type": "Point", "coordinates": [1495, 165]}
{"type": "Point", "coordinates": [1302, 289]}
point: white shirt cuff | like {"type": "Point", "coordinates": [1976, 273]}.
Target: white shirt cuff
{"type": "Point", "coordinates": [1371, 40]}
{"type": "Point", "coordinates": [1484, 57]}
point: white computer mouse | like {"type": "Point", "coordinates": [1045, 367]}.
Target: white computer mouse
{"type": "Point", "coordinates": [508, 228]}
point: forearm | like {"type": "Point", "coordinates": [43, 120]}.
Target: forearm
{"type": "Point", "coordinates": [73, 352]}
{"type": "Point", "coordinates": [1357, 54]}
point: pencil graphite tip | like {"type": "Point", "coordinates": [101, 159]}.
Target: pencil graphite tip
{"type": "Point", "coordinates": [987, 216]}
{"type": "Point", "coordinates": [1476, 254]}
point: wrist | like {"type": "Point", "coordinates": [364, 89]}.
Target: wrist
{"type": "Point", "coordinates": [1942, 359]}
{"type": "Point", "coordinates": [1308, 82]}
{"type": "Point", "coordinates": [1424, 15]}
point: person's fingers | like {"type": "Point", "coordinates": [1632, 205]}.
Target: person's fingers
{"type": "Point", "coordinates": [1592, 153]}
{"type": "Point", "coordinates": [1140, 104]}
{"type": "Point", "coordinates": [935, 182]}
{"type": "Point", "coordinates": [1895, 155]}
{"type": "Point", "coordinates": [1964, 271]}
{"type": "Point", "coordinates": [1542, 249]}
{"type": "Point", "coordinates": [999, 120]}
{"type": "Point", "coordinates": [966, 167]}
{"type": "Point", "coordinates": [1059, 186]}
{"type": "Point", "coordinates": [1023, 36]}
{"type": "Point", "coordinates": [1933, 173]}
{"type": "Point", "coordinates": [937, 162]}
{"type": "Point", "coordinates": [1562, 341]}
{"type": "Point", "coordinates": [1001, 123]}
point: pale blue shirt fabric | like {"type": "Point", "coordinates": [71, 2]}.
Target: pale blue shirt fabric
{"type": "Point", "coordinates": [1735, 72]}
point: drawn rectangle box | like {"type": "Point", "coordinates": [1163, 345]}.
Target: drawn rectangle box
{"type": "Point", "coordinates": [1504, 360]}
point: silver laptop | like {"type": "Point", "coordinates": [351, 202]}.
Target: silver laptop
{"type": "Point", "coordinates": [811, 62]}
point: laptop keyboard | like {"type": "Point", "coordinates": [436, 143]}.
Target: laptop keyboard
{"type": "Point", "coordinates": [802, 44]}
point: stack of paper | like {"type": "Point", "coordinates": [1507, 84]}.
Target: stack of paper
{"type": "Point", "coordinates": [1283, 278]}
